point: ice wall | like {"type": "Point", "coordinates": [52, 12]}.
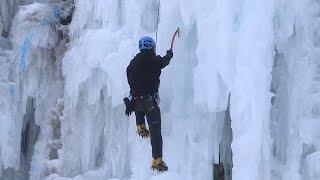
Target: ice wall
{"type": "Point", "coordinates": [295, 84]}
{"type": "Point", "coordinates": [103, 43]}
{"type": "Point", "coordinates": [226, 47]}
{"type": "Point", "coordinates": [31, 84]}
{"type": "Point", "coordinates": [239, 99]}
{"type": "Point", "coordinates": [8, 10]}
{"type": "Point", "coordinates": [201, 76]}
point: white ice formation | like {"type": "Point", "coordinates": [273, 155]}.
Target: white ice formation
{"type": "Point", "coordinates": [241, 94]}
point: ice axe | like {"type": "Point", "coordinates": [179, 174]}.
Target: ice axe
{"type": "Point", "coordinates": [174, 37]}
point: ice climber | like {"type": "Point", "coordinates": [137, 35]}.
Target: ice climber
{"type": "Point", "coordinates": [143, 75]}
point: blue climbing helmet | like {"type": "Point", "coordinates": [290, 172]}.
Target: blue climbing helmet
{"type": "Point", "coordinates": [146, 43]}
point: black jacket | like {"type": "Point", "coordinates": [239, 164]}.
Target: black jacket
{"type": "Point", "coordinates": [144, 71]}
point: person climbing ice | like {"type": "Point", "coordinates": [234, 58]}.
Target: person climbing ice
{"type": "Point", "coordinates": [143, 75]}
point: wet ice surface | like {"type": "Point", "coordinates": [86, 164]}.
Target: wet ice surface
{"type": "Point", "coordinates": [68, 80]}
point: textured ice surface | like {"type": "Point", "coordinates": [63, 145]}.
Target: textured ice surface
{"type": "Point", "coordinates": [263, 53]}
{"type": "Point", "coordinates": [31, 71]}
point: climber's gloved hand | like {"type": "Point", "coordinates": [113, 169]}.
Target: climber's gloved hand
{"type": "Point", "coordinates": [170, 53]}
{"type": "Point", "coordinates": [129, 106]}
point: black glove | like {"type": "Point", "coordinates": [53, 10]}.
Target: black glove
{"type": "Point", "coordinates": [129, 106]}
{"type": "Point", "coordinates": [170, 53]}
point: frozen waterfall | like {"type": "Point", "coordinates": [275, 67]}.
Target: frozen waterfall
{"type": "Point", "coordinates": [240, 99]}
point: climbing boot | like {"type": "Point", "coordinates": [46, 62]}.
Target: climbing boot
{"type": "Point", "coordinates": [159, 165]}
{"type": "Point", "coordinates": [143, 131]}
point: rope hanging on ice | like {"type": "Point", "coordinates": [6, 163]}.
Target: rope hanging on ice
{"type": "Point", "coordinates": [158, 19]}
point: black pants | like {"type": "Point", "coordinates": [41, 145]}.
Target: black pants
{"type": "Point", "coordinates": [152, 112]}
